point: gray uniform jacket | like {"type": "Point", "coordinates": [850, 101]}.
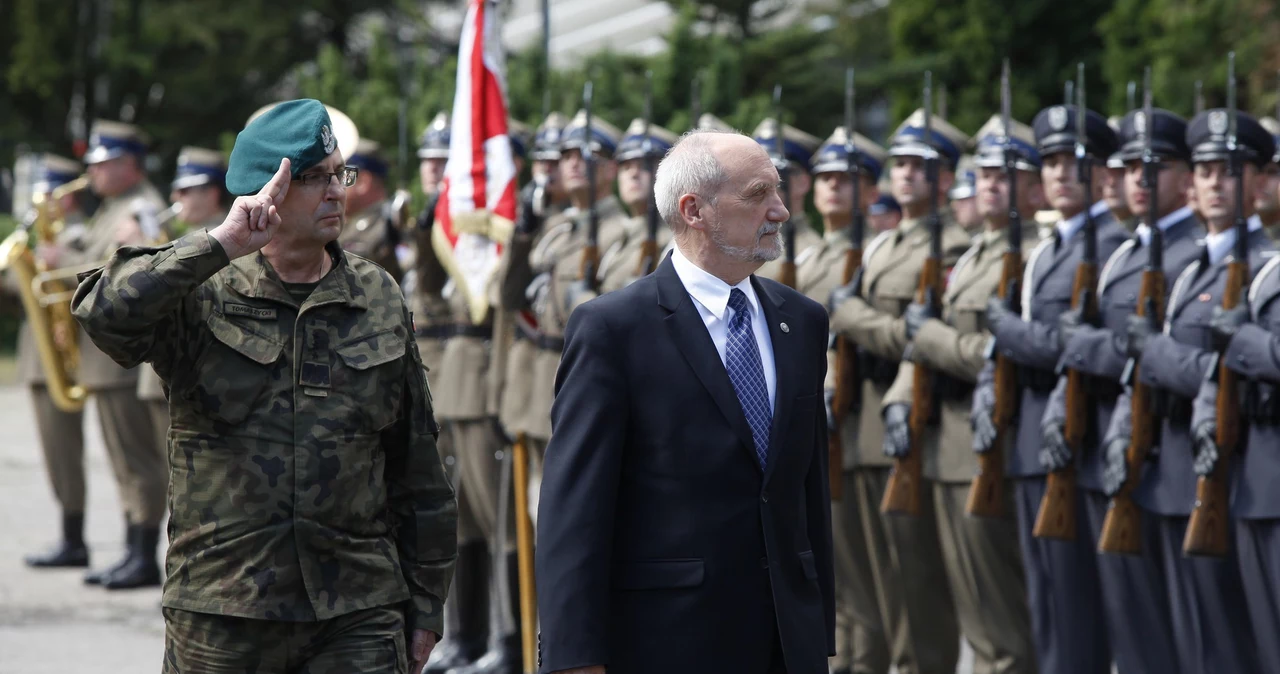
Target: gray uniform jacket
{"type": "Point", "coordinates": [1032, 343]}
{"type": "Point", "coordinates": [1176, 362]}
{"type": "Point", "coordinates": [1255, 353]}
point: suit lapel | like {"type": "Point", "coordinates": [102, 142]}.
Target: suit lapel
{"type": "Point", "coordinates": [786, 359]}
{"type": "Point", "coordinates": [689, 333]}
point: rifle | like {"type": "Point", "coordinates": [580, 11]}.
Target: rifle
{"type": "Point", "coordinates": [847, 378]}
{"type": "Point", "coordinates": [1057, 515]}
{"type": "Point", "coordinates": [1120, 532]}
{"type": "Point", "coordinates": [986, 492]}
{"type": "Point", "coordinates": [590, 252]}
{"type": "Point", "coordinates": [1199, 97]}
{"type": "Point", "coordinates": [649, 247]}
{"type": "Point", "coordinates": [695, 101]}
{"type": "Point", "coordinates": [902, 493]}
{"type": "Point", "coordinates": [1208, 530]}
{"type": "Point", "coordinates": [787, 275]}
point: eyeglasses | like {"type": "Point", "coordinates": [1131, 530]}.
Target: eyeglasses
{"type": "Point", "coordinates": [346, 177]}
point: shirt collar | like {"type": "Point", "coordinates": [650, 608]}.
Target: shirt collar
{"type": "Point", "coordinates": [1144, 232]}
{"type": "Point", "coordinates": [1219, 246]}
{"type": "Point", "coordinates": [1068, 228]}
{"type": "Point", "coordinates": [709, 291]}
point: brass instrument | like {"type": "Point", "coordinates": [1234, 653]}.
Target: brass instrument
{"type": "Point", "coordinates": [59, 358]}
{"type": "Point", "coordinates": [58, 286]}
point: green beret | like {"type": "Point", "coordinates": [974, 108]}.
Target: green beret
{"type": "Point", "coordinates": [300, 131]}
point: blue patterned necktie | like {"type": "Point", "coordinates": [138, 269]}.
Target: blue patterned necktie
{"type": "Point", "coordinates": [742, 360]}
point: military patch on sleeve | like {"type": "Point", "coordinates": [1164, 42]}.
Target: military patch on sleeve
{"type": "Point", "coordinates": [256, 313]}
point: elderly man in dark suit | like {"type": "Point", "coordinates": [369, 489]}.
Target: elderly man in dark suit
{"type": "Point", "coordinates": [685, 513]}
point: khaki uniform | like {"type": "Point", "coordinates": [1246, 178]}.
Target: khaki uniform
{"type": "Point", "coordinates": [61, 433]}
{"type": "Point", "coordinates": [863, 642]}
{"type": "Point", "coordinates": [306, 481]}
{"type": "Point", "coordinates": [150, 388]}
{"type": "Point", "coordinates": [619, 264]}
{"type": "Point", "coordinates": [127, 425]}
{"type": "Point", "coordinates": [904, 551]}
{"type": "Point", "coordinates": [370, 235]}
{"type": "Point", "coordinates": [981, 554]}
{"type": "Point", "coordinates": [535, 273]}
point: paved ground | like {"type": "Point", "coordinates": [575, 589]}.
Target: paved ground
{"type": "Point", "coordinates": [49, 621]}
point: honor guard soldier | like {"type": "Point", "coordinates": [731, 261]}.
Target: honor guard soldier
{"type": "Point", "coordinates": [1268, 202]}
{"type": "Point", "coordinates": [1211, 627]}
{"type": "Point", "coordinates": [541, 269]}
{"type": "Point", "coordinates": [374, 230]}
{"type": "Point", "coordinates": [709, 121]}
{"type": "Point", "coordinates": [426, 282]}
{"type": "Point", "coordinates": [620, 265]}
{"type": "Point", "coordinates": [964, 207]}
{"type": "Point", "coordinates": [904, 549]}
{"type": "Point", "coordinates": [200, 200]}
{"type": "Point", "coordinates": [314, 528]}
{"type": "Point", "coordinates": [1249, 336]}
{"type": "Point", "coordinates": [477, 454]}
{"type": "Point", "coordinates": [61, 432]}
{"type": "Point", "coordinates": [862, 638]}
{"type": "Point", "coordinates": [1134, 604]}
{"type": "Point", "coordinates": [115, 168]}
{"type": "Point", "coordinates": [546, 159]}
{"type": "Point", "coordinates": [980, 554]}
{"type": "Point", "coordinates": [1062, 576]}
{"type": "Point", "coordinates": [797, 148]}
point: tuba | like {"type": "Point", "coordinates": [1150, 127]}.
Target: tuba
{"type": "Point", "coordinates": [59, 358]}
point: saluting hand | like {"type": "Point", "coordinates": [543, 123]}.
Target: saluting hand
{"type": "Point", "coordinates": [253, 220]}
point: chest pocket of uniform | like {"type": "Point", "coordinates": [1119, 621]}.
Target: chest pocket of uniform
{"type": "Point", "coordinates": [234, 370]}
{"type": "Point", "coordinates": [968, 314]}
{"type": "Point", "coordinates": [894, 291]}
{"type": "Point", "coordinates": [369, 377]}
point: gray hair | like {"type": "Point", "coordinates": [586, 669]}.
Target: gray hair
{"type": "Point", "coordinates": [688, 168]}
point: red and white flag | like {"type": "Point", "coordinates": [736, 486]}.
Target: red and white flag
{"type": "Point", "coordinates": [477, 206]}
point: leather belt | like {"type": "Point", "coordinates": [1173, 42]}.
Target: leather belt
{"type": "Point", "coordinates": [1040, 381]}
{"type": "Point", "coordinates": [877, 369]}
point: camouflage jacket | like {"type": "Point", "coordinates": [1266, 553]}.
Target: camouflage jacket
{"type": "Point", "coordinates": [304, 477]}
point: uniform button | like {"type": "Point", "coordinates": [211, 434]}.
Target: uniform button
{"type": "Point", "coordinates": [1079, 358]}
{"type": "Point", "coordinates": [1132, 297]}
{"type": "Point", "coordinates": [764, 498]}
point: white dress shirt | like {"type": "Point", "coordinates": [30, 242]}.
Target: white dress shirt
{"type": "Point", "coordinates": [1220, 245]}
{"type": "Point", "coordinates": [1144, 232]}
{"type": "Point", "coordinates": [711, 297]}
{"type": "Point", "coordinates": [1068, 228]}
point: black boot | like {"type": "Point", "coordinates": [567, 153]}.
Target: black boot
{"type": "Point", "coordinates": [471, 583]}
{"type": "Point", "coordinates": [69, 552]}
{"type": "Point", "coordinates": [96, 577]}
{"type": "Point", "coordinates": [504, 655]}
{"type": "Point", "coordinates": [140, 569]}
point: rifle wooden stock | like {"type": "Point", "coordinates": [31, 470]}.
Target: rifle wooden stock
{"type": "Point", "coordinates": [787, 274]}
{"type": "Point", "coordinates": [648, 258]}
{"type": "Point", "coordinates": [1120, 529]}
{"type": "Point", "coordinates": [1208, 531]}
{"type": "Point", "coordinates": [524, 556]}
{"type": "Point", "coordinates": [846, 381]}
{"type": "Point", "coordinates": [986, 492]}
{"type": "Point", "coordinates": [902, 493]}
{"type": "Point", "coordinates": [590, 267]}
{"type": "Point", "coordinates": [1057, 516]}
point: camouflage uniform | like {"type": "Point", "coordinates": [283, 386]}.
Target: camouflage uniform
{"type": "Point", "coordinates": [306, 485]}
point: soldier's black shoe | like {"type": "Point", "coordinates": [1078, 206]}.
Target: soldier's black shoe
{"type": "Point", "coordinates": [62, 555]}
{"type": "Point", "coordinates": [68, 553]}
{"type": "Point", "coordinates": [96, 577]}
{"type": "Point", "coordinates": [139, 569]}
{"type": "Point", "coordinates": [452, 654]}
{"type": "Point", "coordinates": [505, 658]}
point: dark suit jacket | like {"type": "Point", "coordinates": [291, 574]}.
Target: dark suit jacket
{"type": "Point", "coordinates": [662, 546]}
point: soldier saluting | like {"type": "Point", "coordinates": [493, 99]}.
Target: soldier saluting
{"type": "Point", "coordinates": [312, 522]}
